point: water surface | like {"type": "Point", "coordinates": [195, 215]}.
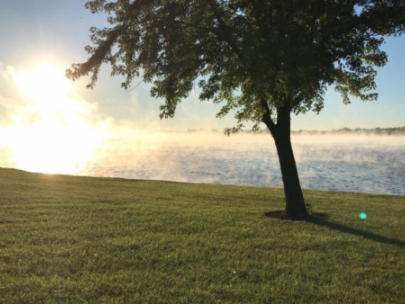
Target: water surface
{"type": "Point", "coordinates": [369, 164]}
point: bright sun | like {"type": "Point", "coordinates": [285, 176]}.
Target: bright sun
{"type": "Point", "coordinates": [53, 133]}
{"type": "Point", "coordinates": [43, 83]}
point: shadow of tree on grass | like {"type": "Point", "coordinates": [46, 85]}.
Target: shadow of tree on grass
{"type": "Point", "coordinates": [320, 219]}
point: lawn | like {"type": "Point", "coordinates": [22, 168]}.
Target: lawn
{"type": "Point", "coordinates": [70, 239]}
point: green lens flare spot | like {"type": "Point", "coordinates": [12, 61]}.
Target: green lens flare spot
{"type": "Point", "coordinates": [363, 216]}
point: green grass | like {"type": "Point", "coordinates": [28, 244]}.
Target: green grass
{"type": "Point", "coordinates": [92, 240]}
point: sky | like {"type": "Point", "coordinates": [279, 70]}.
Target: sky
{"type": "Point", "coordinates": [55, 32]}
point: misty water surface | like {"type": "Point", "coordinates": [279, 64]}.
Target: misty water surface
{"type": "Point", "coordinates": [370, 164]}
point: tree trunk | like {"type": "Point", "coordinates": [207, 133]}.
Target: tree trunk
{"type": "Point", "coordinates": [295, 204]}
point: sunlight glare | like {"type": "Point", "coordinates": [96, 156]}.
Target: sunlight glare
{"type": "Point", "coordinates": [43, 83]}
{"type": "Point", "coordinates": [53, 133]}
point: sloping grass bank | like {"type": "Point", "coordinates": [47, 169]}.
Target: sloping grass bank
{"type": "Point", "coordinates": [77, 240]}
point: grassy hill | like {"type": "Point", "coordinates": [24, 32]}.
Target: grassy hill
{"type": "Point", "coordinates": [70, 239]}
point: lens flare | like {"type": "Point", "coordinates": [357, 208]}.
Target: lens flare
{"type": "Point", "coordinates": [363, 216]}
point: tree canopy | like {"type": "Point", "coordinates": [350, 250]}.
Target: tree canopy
{"type": "Point", "coordinates": [256, 56]}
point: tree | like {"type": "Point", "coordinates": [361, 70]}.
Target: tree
{"type": "Point", "coordinates": [264, 59]}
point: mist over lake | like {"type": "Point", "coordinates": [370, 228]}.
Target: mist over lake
{"type": "Point", "coordinates": [369, 164]}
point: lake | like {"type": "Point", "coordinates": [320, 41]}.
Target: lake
{"type": "Point", "coordinates": [368, 164]}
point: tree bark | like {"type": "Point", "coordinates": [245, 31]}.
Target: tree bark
{"type": "Point", "coordinates": [295, 204]}
{"type": "Point", "coordinates": [281, 132]}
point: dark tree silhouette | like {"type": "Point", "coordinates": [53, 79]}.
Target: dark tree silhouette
{"type": "Point", "coordinates": [263, 59]}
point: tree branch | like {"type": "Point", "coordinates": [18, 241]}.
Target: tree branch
{"type": "Point", "coordinates": [266, 119]}
{"type": "Point", "coordinates": [96, 59]}
{"type": "Point", "coordinates": [227, 36]}
{"type": "Point", "coordinates": [225, 29]}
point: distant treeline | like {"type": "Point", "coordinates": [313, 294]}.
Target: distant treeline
{"type": "Point", "coordinates": [357, 131]}
{"type": "Point", "coordinates": [344, 131]}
